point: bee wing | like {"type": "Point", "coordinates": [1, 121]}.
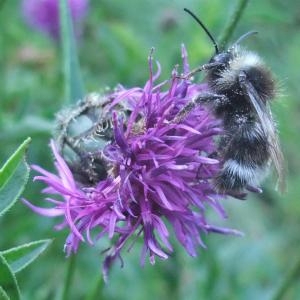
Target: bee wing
{"type": "Point", "coordinates": [277, 155]}
{"type": "Point", "coordinates": [268, 126]}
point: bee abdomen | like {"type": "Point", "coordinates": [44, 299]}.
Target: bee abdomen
{"type": "Point", "coordinates": [235, 176]}
{"type": "Point", "coordinates": [245, 142]}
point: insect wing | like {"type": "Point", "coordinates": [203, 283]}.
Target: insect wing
{"type": "Point", "coordinates": [268, 126]}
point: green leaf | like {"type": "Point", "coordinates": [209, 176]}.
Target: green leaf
{"type": "Point", "coordinates": [228, 31]}
{"type": "Point", "coordinates": [20, 257]}
{"type": "Point", "coordinates": [73, 81]}
{"type": "Point", "coordinates": [8, 283]}
{"type": "Point", "coordinates": [13, 177]}
{"type": "Point", "coordinates": [11, 164]}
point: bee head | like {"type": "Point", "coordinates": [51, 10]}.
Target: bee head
{"type": "Point", "coordinates": [224, 68]}
{"type": "Point", "coordinates": [221, 61]}
{"type": "Point", "coordinates": [221, 58]}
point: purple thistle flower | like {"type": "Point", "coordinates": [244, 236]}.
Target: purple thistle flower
{"type": "Point", "coordinates": [159, 172]}
{"type": "Point", "coordinates": [43, 15]}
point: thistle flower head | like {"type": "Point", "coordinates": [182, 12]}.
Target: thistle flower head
{"type": "Point", "coordinates": [43, 15]}
{"type": "Point", "coordinates": [158, 171]}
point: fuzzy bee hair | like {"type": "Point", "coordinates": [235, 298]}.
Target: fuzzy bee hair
{"type": "Point", "coordinates": [240, 87]}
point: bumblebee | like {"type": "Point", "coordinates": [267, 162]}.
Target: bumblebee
{"type": "Point", "coordinates": [240, 89]}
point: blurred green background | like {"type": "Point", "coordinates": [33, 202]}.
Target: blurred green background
{"type": "Point", "coordinates": [113, 49]}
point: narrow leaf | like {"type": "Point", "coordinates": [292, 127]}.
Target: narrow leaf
{"type": "Point", "coordinates": [237, 14]}
{"type": "Point", "coordinates": [13, 178]}
{"type": "Point", "coordinates": [20, 257]}
{"type": "Point", "coordinates": [8, 282]}
{"type": "Point", "coordinates": [73, 81]}
{"type": "Point", "coordinates": [11, 164]}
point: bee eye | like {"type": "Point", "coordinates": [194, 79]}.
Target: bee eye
{"type": "Point", "coordinates": [222, 58]}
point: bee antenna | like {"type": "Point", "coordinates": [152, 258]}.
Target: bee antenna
{"type": "Point", "coordinates": [204, 28]}
{"type": "Point", "coordinates": [245, 35]}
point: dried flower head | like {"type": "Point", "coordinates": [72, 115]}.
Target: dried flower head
{"type": "Point", "coordinates": [43, 15]}
{"type": "Point", "coordinates": [135, 171]}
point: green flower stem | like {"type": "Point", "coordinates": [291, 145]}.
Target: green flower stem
{"type": "Point", "coordinates": [96, 291]}
{"type": "Point", "coordinates": [291, 277]}
{"type": "Point", "coordinates": [228, 31]}
{"type": "Point", "coordinates": [74, 89]}
{"type": "Point", "coordinates": [69, 277]}
{"type": "Point", "coordinates": [172, 273]}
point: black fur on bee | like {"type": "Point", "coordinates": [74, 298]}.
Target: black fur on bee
{"type": "Point", "coordinates": [240, 87]}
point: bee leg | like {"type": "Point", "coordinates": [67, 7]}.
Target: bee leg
{"type": "Point", "coordinates": [254, 189]}
{"type": "Point", "coordinates": [225, 184]}
{"type": "Point", "coordinates": [201, 99]}
{"type": "Point", "coordinates": [237, 195]}
{"type": "Point", "coordinates": [199, 69]}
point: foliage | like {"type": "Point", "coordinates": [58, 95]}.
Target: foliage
{"type": "Point", "coordinates": [13, 178]}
